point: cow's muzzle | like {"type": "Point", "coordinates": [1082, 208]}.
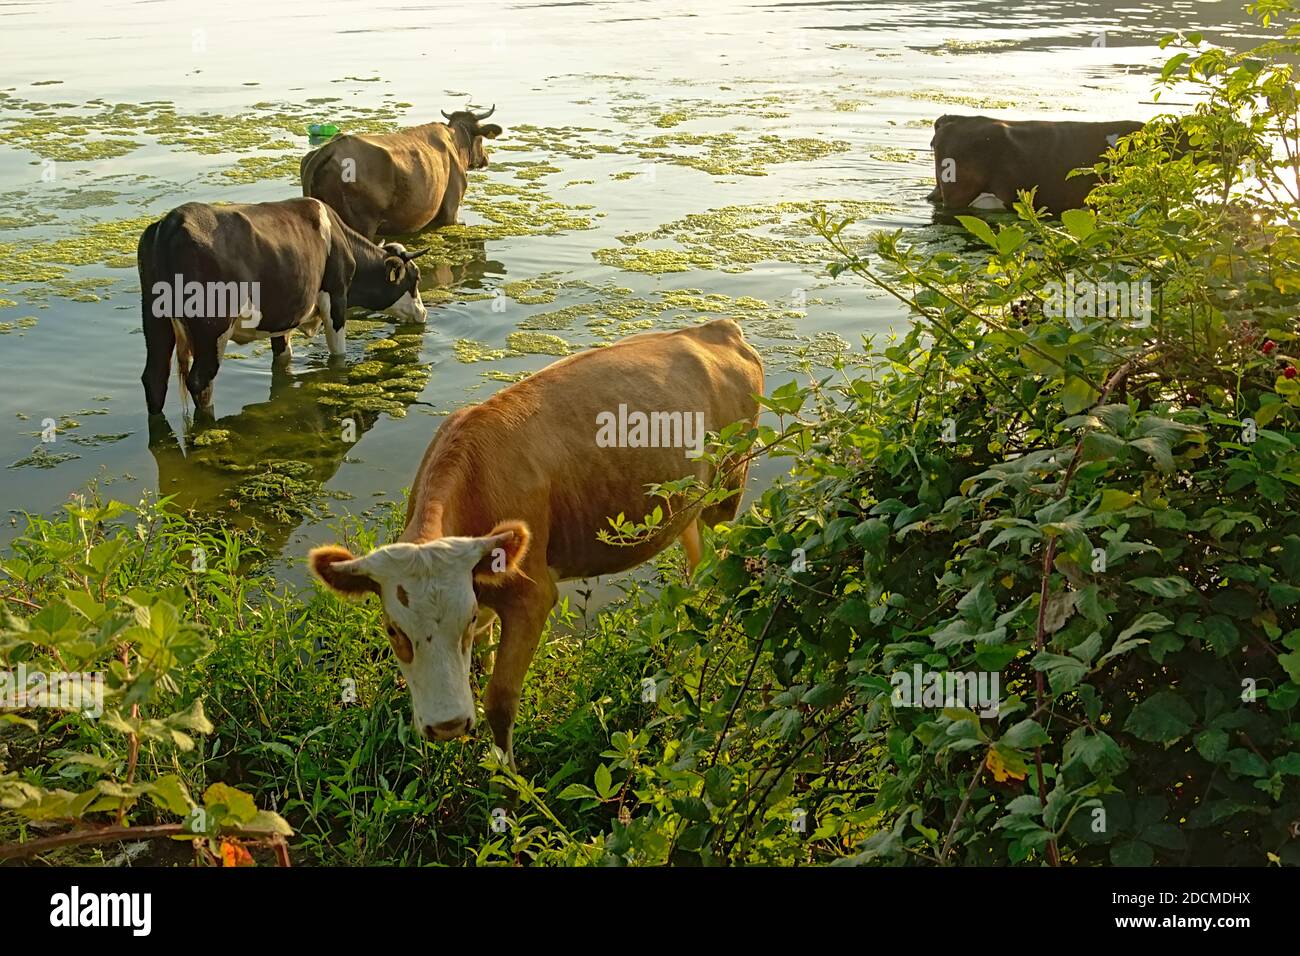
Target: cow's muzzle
{"type": "Point", "coordinates": [449, 729]}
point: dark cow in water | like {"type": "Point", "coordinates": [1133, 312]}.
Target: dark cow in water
{"type": "Point", "coordinates": [210, 274]}
{"type": "Point", "coordinates": [399, 183]}
{"type": "Point", "coordinates": [979, 155]}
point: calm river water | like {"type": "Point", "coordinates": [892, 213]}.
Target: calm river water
{"type": "Point", "coordinates": [658, 162]}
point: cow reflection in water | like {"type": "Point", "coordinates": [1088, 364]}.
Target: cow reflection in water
{"type": "Point", "coordinates": [266, 465]}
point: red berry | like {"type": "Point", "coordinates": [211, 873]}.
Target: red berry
{"type": "Point", "coordinates": [1269, 347]}
{"type": "Point", "coordinates": [1289, 371]}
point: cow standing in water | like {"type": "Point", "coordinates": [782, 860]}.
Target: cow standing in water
{"type": "Point", "coordinates": [512, 493]}
{"type": "Point", "coordinates": [977, 157]}
{"type": "Point", "coordinates": [399, 183]}
{"type": "Point", "coordinates": [210, 274]}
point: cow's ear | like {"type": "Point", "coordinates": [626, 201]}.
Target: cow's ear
{"type": "Point", "coordinates": [504, 549]}
{"type": "Point", "coordinates": [490, 130]}
{"type": "Point", "coordinates": [394, 269]}
{"type": "Point", "coordinates": [337, 567]}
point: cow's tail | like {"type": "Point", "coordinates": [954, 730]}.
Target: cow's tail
{"type": "Point", "coordinates": [160, 336]}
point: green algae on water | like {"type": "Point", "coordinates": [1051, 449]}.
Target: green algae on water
{"type": "Point", "coordinates": [41, 457]}
{"type": "Point", "coordinates": [470, 351]}
{"type": "Point", "coordinates": [213, 436]}
{"type": "Point", "coordinates": [538, 343]}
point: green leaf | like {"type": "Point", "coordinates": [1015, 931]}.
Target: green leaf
{"type": "Point", "coordinates": [1026, 734]}
{"type": "Point", "coordinates": [604, 782]}
{"type": "Point", "coordinates": [1112, 499]}
{"type": "Point", "coordinates": [1212, 744]}
{"type": "Point", "coordinates": [1168, 588]}
{"type": "Point", "coordinates": [1080, 223]}
{"type": "Point", "coordinates": [577, 791]}
{"type": "Point", "coordinates": [1162, 718]}
{"type": "Point", "coordinates": [1077, 395]}
{"type": "Point", "coordinates": [1132, 853]}
{"type": "Point", "coordinates": [265, 821]}
{"type": "Point", "coordinates": [1062, 671]}
{"type": "Point", "coordinates": [980, 228]}
{"type": "Point", "coordinates": [238, 805]}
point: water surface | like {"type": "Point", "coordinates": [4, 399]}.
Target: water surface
{"type": "Point", "coordinates": [658, 161]}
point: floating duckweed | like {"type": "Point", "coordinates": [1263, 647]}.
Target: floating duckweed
{"type": "Point", "coordinates": [890, 154]}
{"type": "Point", "coordinates": [361, 326]}
{"type": "Point", "coordinates": [283, 491]}
{"type": "Point", "coordinates": [536, 291]}
{"type": "Point", "coordinates": [19, 325]}
{"type": "Point", "coordinates": [255, 169]}
{"type": "Point", "coordinates": [469, 351]}
{"type": "Point", "coordinates": [376, 403]}
{"type": "Point", "coordinates": [41, 458]}
{"type": "Point", "coordinates": [532, 170]}
{"type": "Point", "coordinates": [959, 99]}
{"type": "Point", "coordinates": [108, 243]}
{"type": "Point", "coordinates": [94, 441]}
{"type": "Point", "coordinates": [538, 343]}
{"type": "Point", "coordinates": [380, 345]}
{"type": "Point", "coordinates": [970, 46]}
{"type": "Point", "coordinates": [735, 238]}
{"type": "Point", "coordinates": [728, 154]}
{"type": "Point", "coordinates": [671, 119]}
{"type": "Point", "coordinates": [653, 261]}
{"type": "Point", "coordinates": [213, 436]}
{"type": "Point", "coordinates": [496, 375]}
{"type": "Point", "coordinates": [366, 371]}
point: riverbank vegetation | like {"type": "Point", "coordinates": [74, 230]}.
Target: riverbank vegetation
{"type": "Point", "coordinates": [1094, 510]}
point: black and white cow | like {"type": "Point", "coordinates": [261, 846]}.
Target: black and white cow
{"type": "Point", "coordinates": [210, 274]}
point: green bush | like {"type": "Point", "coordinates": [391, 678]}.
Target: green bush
{"type": "Point", "coordinates": [1098, 507]}
{"type": "Point", "coordinates": [100, 679]}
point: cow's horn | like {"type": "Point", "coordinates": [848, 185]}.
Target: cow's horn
{"type": "Point", "coordinates": [408, 256]}
{"type": "Point", "coordinates": [482, 117]}
{"type": "Point", "coordinates": [445, 113]}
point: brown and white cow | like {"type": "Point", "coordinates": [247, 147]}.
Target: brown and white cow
{"type": "Point", "coordinates": [399, 183]}
{"type": "Point", "coordinates": [509, 500]}
{"type": "Point", "coordinates": [977, 157]}
{"type": "Point", "coordinates": [210, 274]}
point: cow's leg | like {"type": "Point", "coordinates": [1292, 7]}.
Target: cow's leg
{"type": "Point", "coordinates": [335, 310]}
{"type": "Point", "coordinates": [159, 343]}
{"type": "Point", "coordinates": [281, 349]}
{"type": "Point", "coordinates": [206, 361]}
{"type": "Point", "coordinates": [522, 620]}
{"type": "Point", "coordinates": [486, 660]}
{"type": "Point", "coordinates": [450, 208]}
{"type": "Point", "coordinates": [691, 545]}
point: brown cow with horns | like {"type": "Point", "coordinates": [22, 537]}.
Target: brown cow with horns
{"type": "Point", "coordinates": [399, 183]}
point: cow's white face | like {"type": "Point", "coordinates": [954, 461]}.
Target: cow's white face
{"type": "Point", "coordinates": [409, 308]}
{"type": "Point", "coordinates": [403, 278]}
{"type": "Point", "coordinates": [429, 612]}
